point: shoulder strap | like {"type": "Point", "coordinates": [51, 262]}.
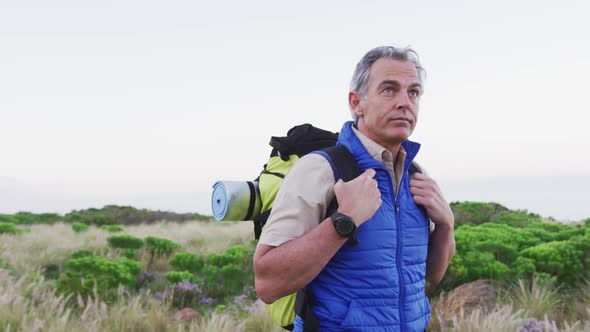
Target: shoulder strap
{"type": "Point", "coordinates": [343, 163]}
{"type": "Point", "coordinates": [414, 169]}
{"type": "Point", "coordinates": [344, 166]}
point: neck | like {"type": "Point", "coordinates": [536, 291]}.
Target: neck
{"type": "Point", "coordinates": [392, 147]}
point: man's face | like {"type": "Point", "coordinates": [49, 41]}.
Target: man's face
{"type": "Point", "coordinates": [389, 111]}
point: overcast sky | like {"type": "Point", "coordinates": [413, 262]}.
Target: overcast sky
{"type": "Point", "coordinates": [149, 103]}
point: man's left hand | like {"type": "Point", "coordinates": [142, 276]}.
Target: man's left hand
{"type": "Point", "coordinates": [427, 194]}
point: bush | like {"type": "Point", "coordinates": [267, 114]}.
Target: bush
{"type": "Point", "coordinates": [178, 276]}
{"type": "Point", "coordinates": [130, 253]}
{"type": "Point", "coordinates": [159, 246]}
{"type": "Point", "coordinates": [82, 274]}
{"type": "Point", "coordinates": [474, 212]}
{"type": "Point", "coordinates": [9, 228]}
{"type": "Point", "coordinates": [112, 228]}
{"type": "Point", "coordinates": [79, 227]}
{"type": "Point", "coordinates": [225, 275]}
{"type": "Point", "coordinates": [28, 218]}
{"type": "Point", "coordinates": [186, 261]}
{"type": "Point", "coordinates": [6, 218]}
{"type": "Point", "coordinates": [125, 242]}
{"type": "Point", "coordinates": [234, 278]}
{"type": "Point", "coordinates": [81, 253]}
{"type": "Point", "coordinates": [126, 215]}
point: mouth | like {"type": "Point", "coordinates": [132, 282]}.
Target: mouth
{"type": "Point", "coordinates": [401, 119]}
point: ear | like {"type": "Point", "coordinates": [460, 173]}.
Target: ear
{"type": "Point", "coordinates": [354, 101]}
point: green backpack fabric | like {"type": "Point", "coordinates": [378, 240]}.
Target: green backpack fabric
{"type": "Point", "coordinates": [300, 140]}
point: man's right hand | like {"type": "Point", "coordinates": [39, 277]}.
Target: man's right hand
{"type": "Point", "coordinates": [358, 198]}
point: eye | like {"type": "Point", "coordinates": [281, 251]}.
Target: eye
{"type": "Point", "coordinates": [388, 90]}
{"type": "Point", "coordinates": [414, 93]}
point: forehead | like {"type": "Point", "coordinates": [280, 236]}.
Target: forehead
{"type": "Point", "coordinates": [389, 69]}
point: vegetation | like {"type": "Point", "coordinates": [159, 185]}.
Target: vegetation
{"type": "Point", "coordinates": [127, 215]}
{"type": "Point", "coordinates": [108, 215]}
{"type": "Point", "coordinates": [112, 228]}
{"type": "Point", "coordinates": [79, 227]}
{"type": "Point", "coordinates": [513, 271]}
{"type": "Point", "coordinates": [516, 245]}
{"type": "Point", "coordinates": [9, 228]}
{"type": "Point", "coordinates": [28, 218]}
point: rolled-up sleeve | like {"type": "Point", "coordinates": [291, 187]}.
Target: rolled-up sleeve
{"type": "Point", "coordinates": [301, 202]}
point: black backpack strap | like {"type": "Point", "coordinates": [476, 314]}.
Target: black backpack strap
{"type": "Point", "coordinates": [345, 167]}
{"type": "Point", "coordinates": [259, 222]}
{"type": "Point", "coordinates": [303, 304]}
{"type": "Point", "coordinates": [414, 169]}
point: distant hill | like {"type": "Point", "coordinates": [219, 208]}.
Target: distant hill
{"type": "Point", "coordinates": [109, 214]}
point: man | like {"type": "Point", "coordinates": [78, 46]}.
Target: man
{"type": "Point", "coordinates": [377, 284]}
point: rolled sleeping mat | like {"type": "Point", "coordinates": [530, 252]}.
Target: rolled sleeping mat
{"type": "Point", "coordinates": [235, 200]}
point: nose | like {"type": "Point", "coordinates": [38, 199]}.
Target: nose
{"type": "Point", "coordinates": [403, 101]}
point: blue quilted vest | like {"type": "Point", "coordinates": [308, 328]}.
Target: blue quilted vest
{"type": "Point", "coordinates": [379, 284]}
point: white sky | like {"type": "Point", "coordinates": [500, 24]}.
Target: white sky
{"type": "Point", "coordinates": [149, 103]}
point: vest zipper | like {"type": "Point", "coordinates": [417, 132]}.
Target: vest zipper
{"type": "Point", "coordinates": [398, 261]}
{"type": "Point", "coordinates": [398, 248]}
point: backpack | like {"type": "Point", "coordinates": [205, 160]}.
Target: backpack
{"type": "Point", "coordinates": [300, 140]}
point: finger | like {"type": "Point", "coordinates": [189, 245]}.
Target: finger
{"type": "Point", "coordinates": [419, 200]}
{"type": "Point", "coordinates": [370, 173]}
{"type": "Point", "coordinates": [419, 176]}
{"type": "Point", "coordinates": [420, 192]}
{"type": "Point", "coordinates": [420, 183]}
{"type": "Point", "coordinates": [427, 183]}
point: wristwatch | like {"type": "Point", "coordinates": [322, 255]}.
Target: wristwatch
{"type": "Point", "coordinates": [344, 225]}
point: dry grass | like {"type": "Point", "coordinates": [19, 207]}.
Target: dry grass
{"type": "Point", "coordinates": [537, 299]}
{"type": "Point", "coordinates": [46, 244]}
{"type": "Point", "coordinates": [27, 305]}
{"type": "Point", "coordinates": [476, 307]}
{"type": "Point", "coordinates": [463, 300]}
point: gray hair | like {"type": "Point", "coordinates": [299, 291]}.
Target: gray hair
{"type": "Point", "coordinates": [361, 73]}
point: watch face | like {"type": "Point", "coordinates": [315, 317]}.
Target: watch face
{"type": "Point", "coordinates": [344, 225]}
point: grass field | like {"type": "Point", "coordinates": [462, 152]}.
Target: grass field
{"type": "Point", "coordinates": [28, 302]}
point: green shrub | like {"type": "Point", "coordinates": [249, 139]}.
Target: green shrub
{"type": "Point", "coordinates": [178, 276]}
{"type": "Point", "coordinates": [81, 253]}
{"type": "Point", "coordinates": [474, 212]}
{"type": "Point", "coordinates": [125, 241]}
{"type": "Point", "coordinates": [519, 218]}
{"type": "Point", "coordinates": [74, 217]}
{"type": "Point", "coordinates": [82, 274]}
{"type": "Point", "coordinates": [9, 228]}
{"type": "Point", "coordinates": [159, 246]}
{"type": "Point", "coordinates": [6, 218]}
{"type": "Point", "coordinates": [186, 261]}
{"type": "Point", "coordinates": [102, 219]}
{"type": "Point", "coordinates": [79, 227]}
{"type": "Point", "coordinates": [130, 253]}
{"type": "Point", "coordinates": [127, 215]}
{"type": "Point", "coordinates": [565, 260]}
{"type": "Point", "coordinates": [234, 278]}
{"type": "Point", "coordinates": [226, 275]}
{"type": "Point", "coordinates": [51, 271]}
{"type": "Point", "coordinates": [518, 245]}
{"type": "Point", "coordinates": [28, 218]}
{"type": "Point", "coordinates": [112, 228]}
